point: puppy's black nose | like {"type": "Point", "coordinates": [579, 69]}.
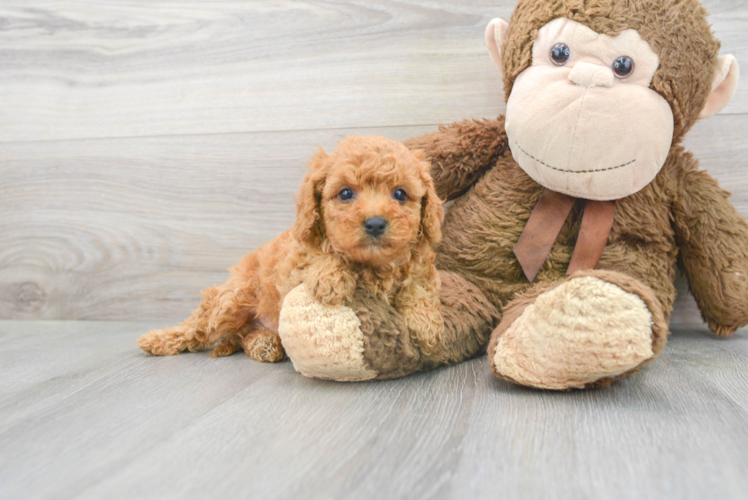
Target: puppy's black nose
{"type": "Point", "coordinates": [375, 226]}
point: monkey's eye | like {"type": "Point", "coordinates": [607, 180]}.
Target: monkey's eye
{"type": "Point", "coordinates": [400, 195]}
{"type": "Point", "coordinates": [560, 54]}
{"type": "Point", "coordinates": [346, 194]}
{"type": "Point", "coordinates": [623, 66]}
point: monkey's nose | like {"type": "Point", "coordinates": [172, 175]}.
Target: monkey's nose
{"type": "Point", "coordinates": [375, 226]}
{"type": "Point", "coordinates": [591, 75]}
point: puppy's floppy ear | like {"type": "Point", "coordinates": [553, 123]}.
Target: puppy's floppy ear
{"type": "Point", "coordinates": [308, 227]}
{"type": "Point", "coordinates": [432, 212]}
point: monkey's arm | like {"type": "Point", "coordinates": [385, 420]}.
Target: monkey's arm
{"type": "Point", "coordinates": [461, 153]}
{"type": "Point", "coordinates": [713, 239]}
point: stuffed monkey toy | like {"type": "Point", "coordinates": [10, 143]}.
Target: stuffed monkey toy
{"type": "Point", "coordinates": [572, 212]}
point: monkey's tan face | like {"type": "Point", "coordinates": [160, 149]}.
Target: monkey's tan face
{"type": "Point", "coordinates": [372, 212]}
{"type": "Point", "coordinates": [582, 119]}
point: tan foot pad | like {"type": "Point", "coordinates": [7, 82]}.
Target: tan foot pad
{"type": "Point", "coordinates": [322, 341]}
{"type": "Point", "coordinates": [584, 330]}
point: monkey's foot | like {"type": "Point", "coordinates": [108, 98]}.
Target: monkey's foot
{"type": "Point", "coordinates": [322, 341]}
{"type": "Point", "coordinates": [592, 329]}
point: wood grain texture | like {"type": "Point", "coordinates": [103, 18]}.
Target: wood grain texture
{"type": "Point", "coordinates": [133, 228]}
{"type": "Point", "coordinates": [85, 414]}
{"type": "Point", "coordinates": [147, 146]}
{"type": "Point", "coordinates": [85, 69]}
{"type": "Point", "coordinates": [139, 68]}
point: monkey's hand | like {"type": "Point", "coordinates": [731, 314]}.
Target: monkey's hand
{"type": "Point", "coordinates": [713, 239]}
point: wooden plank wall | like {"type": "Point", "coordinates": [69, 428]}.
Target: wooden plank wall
{"type": "Point", "coordinates": [146, 146]}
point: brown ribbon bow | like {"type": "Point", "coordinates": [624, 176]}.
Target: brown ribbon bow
{"type": "Point", "coordinates": [545, 223]}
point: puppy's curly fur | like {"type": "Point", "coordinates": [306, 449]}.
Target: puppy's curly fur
{"type": "Point", "coordinates": [331, 249]}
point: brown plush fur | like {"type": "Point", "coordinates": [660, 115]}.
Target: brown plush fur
{"type": "Point", "coordinates": [681, 219]}
{"type": "Point", "coordinates": [388, 347]}
{"type": "Point", "coordinates": [329, 249]}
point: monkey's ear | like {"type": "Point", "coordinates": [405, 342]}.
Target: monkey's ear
{"type": "Point", "coordinates": [495, 32]}
{"type": "Point", "coordinates": [724, 83]}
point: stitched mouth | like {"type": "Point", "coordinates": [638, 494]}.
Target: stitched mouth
{"type": "Point", "coordinates": [573, 171]}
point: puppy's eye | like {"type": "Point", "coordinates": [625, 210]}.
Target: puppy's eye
{"type": "Point", "coordinates": [400, 195]}
{"type": "Point", "coordinates": [345, 194]}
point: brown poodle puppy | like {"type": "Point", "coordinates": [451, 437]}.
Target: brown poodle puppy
{"type": "Point", "coordinates": [367, 216]}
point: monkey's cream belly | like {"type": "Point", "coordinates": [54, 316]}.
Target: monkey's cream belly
{"type": "Point", "coordinates": [322, 341]}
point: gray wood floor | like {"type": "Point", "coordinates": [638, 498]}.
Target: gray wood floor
{"type": "Point", "coordinates": [83, 414]}
{"type": "Point", "coordinates": [146, 146]}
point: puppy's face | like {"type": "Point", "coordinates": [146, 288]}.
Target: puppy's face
{"type": "Point", "coordinates": [372, 216]}
{"type": "Point", "coordinates": [376, 200]}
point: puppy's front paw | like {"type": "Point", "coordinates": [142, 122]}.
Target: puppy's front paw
{"type": "Point", "coordinates": [426, 327]}
{"type": "Point", "coordinates": [332, 289]}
